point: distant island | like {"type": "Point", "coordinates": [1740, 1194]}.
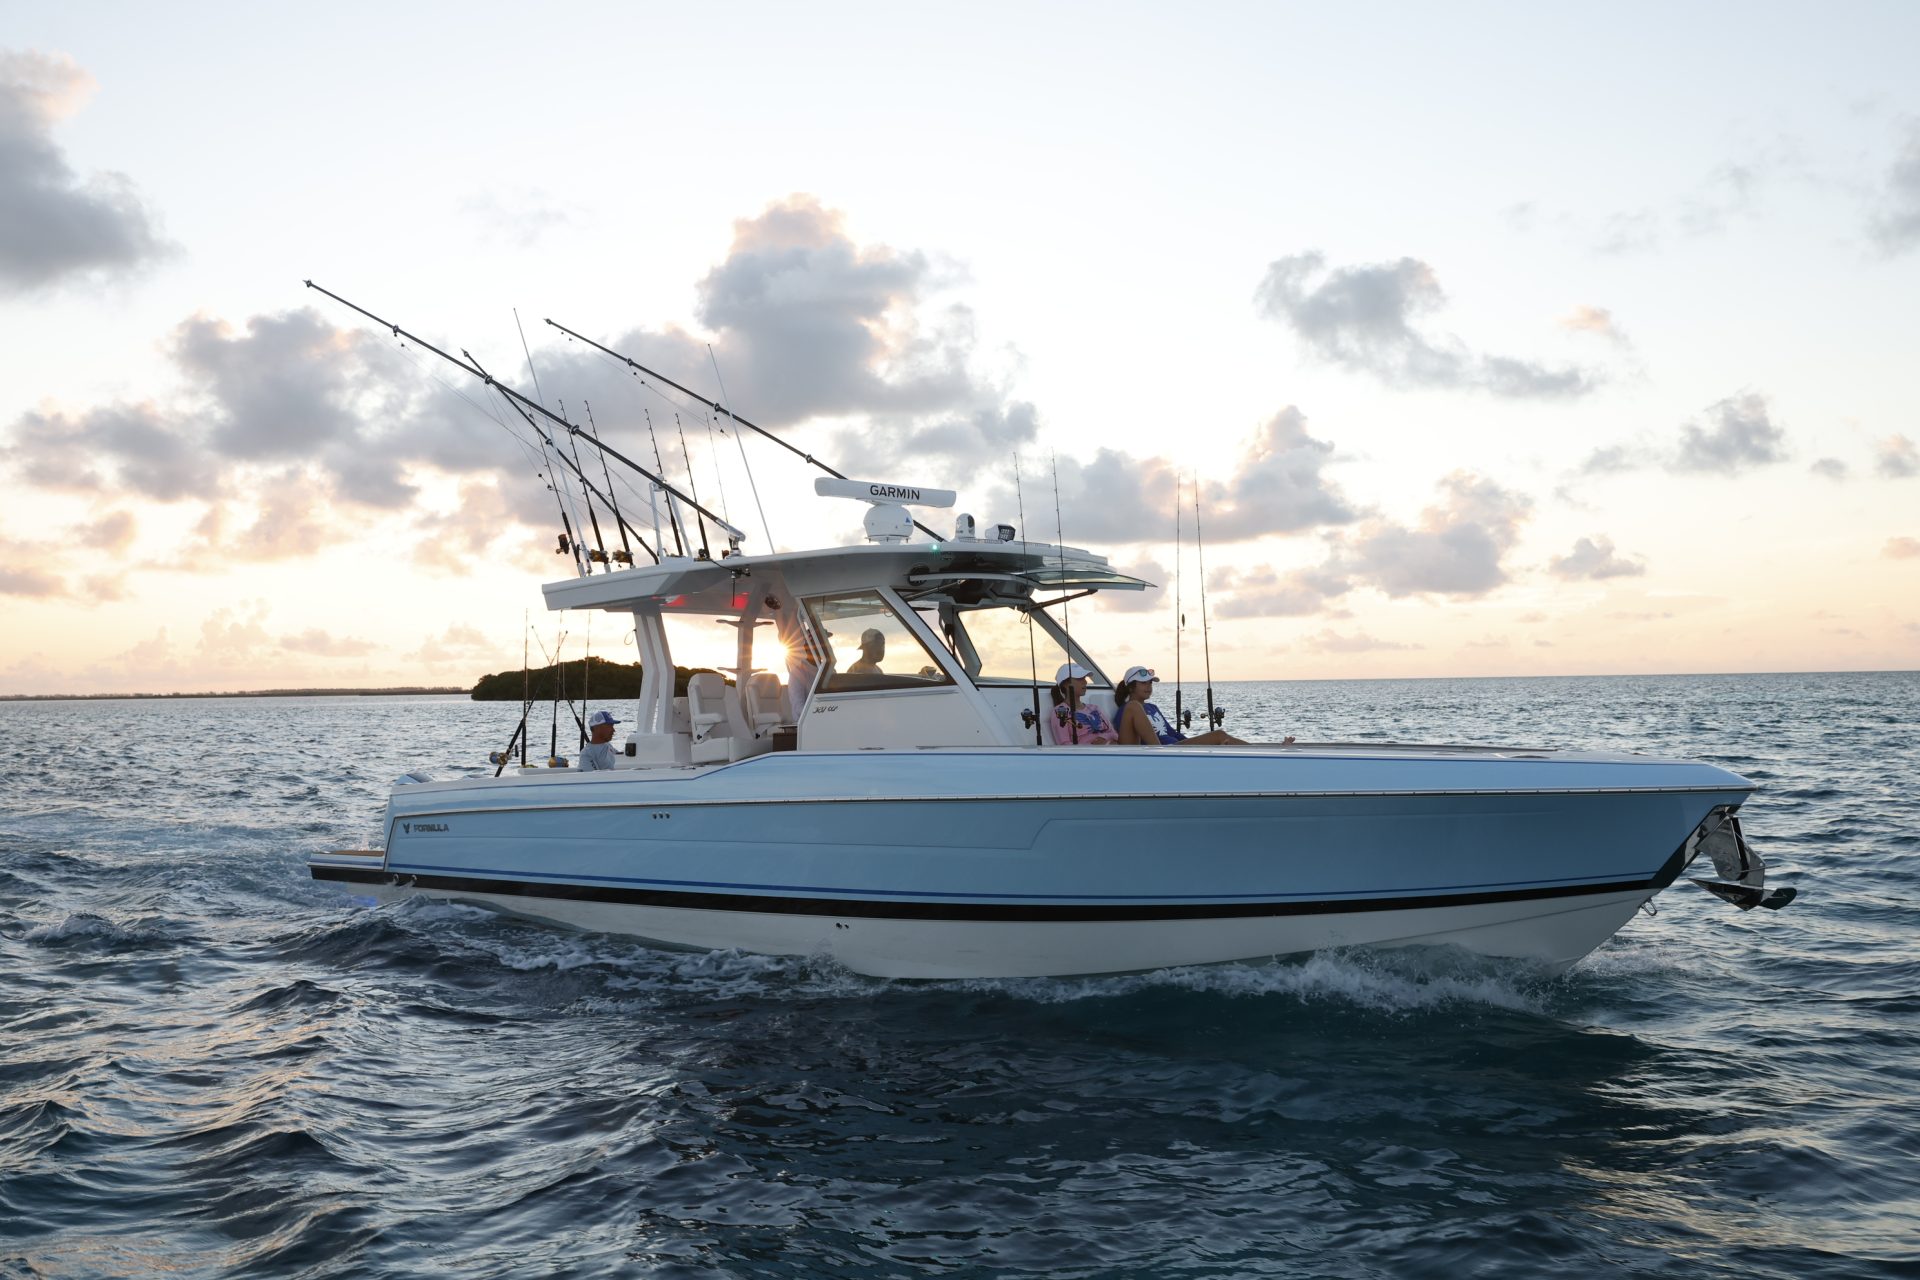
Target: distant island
{"type": "Point", "coordinates": [238, 693]}
{"type": "Point", "coordinates": [595, 676]}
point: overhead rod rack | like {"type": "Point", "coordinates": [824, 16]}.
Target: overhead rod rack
{"type": "Point", "coordinates": [734, 535]}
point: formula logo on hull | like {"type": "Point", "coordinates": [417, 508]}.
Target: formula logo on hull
{"type": "Point", "coordinates": [411, 827]}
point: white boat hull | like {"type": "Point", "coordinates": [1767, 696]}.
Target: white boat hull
{"type": "Point", "coordinates": [1021, 867]}
{"type": "Point", "coordinates": [1551, 934]}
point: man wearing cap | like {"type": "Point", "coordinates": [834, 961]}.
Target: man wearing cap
{"type": "Point", "coordinates": [873, 647]}
{"type": "Point", "coordinates": [1142, 724]}
{"type": "Point", "coordinates": [598, 753]}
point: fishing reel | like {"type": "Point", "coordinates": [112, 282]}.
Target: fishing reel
{"type": "Point", "coordinates": [566, 545]}
{"type": "Point", "coordinates": [1218, 716]}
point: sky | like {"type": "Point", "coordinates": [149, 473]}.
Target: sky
{"type": "Point", "coordinates": [1491, 339]}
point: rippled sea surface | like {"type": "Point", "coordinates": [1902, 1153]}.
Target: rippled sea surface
{"type": "Point", "coordinates": [210, 1066]}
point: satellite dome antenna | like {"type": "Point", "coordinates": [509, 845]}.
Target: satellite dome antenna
{"type": "Point", "coordinates": [887, 517]}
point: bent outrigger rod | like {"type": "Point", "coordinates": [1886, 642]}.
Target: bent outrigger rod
{"type": "Point", "coordinates": [524, 404]}
{"type": "Point", "coordinates": [721, 409]}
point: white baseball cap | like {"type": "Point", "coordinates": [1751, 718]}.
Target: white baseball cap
{"type": "Point", "coordinates": [599, 718]}
{"type": "Point", "coordinates": [1070, 671]}
{"type": "Point", "coordinates": [1136, 674]}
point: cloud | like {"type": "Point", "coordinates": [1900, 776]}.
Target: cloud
{"type": "Point", "coordinates": [1613, 459]}
{"type": "Point", "coordinates": [1740, 433]}
{"type": "Point", "coordinates": [1597, 321]}
{"type": "Point", "coordinates": [518, 218]}
{"type": "Point", "coordinates": [111, 532]}
{"type": "Point", "coordinates": [808, 323]}
{"type": "Point", "coordinates": [1901, 549]}
{"type": "Point", "coordinates": [1366, 319]}
{"type": "Point", "coordinates": [1330, 641]}
{"type": "Point", "coordinates": [1457, 549]}
{"type": "Point", "coordinates": [1896, 458]}
{"type": "Point", "coordinates": [1895, 226]}
{"type": "Point", "coordinates": [20, 580]}
{"type": "Point", "coordinates": [56, 227]}
{"type": "Point", "coordinates": [318, 642]}
{"type": "Point", "coordinates": [1729, 436]}
{"type": "Point", "coordinates": [1263, 593]}
{"type": "Point", "coordinates": [1593, 559]}
{"type": "Point", "coordinates": [1275, 485]}
{"type": "Point", "coordinates": [1831, 468]}
{"type": "Point", "coordinates": [1151, 600]}
{"type": "Point", "coordinates": [461, 644]}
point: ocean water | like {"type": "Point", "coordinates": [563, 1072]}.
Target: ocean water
{"type": "Point", "coordinates": [210, 1066]}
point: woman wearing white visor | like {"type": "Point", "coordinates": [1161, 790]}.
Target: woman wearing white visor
{"type": "Point", "coordinates": [1144, 725]}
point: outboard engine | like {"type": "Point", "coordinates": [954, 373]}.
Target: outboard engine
{"type": "Point", "coordinates": [1742, 872]}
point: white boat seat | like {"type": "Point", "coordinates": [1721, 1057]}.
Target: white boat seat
{"type": "Point", "coordinates": [766, 707]}
{"type": "Point", "coordinates": [707, 706]}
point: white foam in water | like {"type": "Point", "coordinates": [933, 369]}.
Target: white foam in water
{"type": "Point", "coordinates": [1400, 981]}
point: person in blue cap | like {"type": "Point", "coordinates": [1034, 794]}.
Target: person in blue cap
{"type": "Point", "coordinates": [598, 753]}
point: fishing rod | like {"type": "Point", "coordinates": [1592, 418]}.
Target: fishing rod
{"type": "Point", "coordinates": [501, 759]}
{"type": "Point", "coordinates": [1033, 663]}
{"type": "Point", "coordinates": [625, 554]}
{"type": "Point", "coordinates": [1179, 617]}
{"type": "Point", "coordinates": [734, 535]}
{"type": "Point", "coordinates": [752, 484]}
{"type": "Point", "coordinates": [686, 460]}
{"type": "Point", "coordinates": [1214, 715]}
{"type": "Point", "coordinates": [1066, 628]}
{"type": "Point", "coordinates": [599, 554]}
{"type": "Point", "coordinates": [639, 368]}
{"type": "Point", "coordinates": [673, 521]}
{"type": "Point", "coordinates": [547, 442]}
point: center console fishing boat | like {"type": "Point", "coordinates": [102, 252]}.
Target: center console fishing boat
{"type": "Point", "coordinates": [889, 796]}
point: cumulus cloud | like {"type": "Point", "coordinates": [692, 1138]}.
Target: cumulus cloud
{"type": "Point", "coordinates": [1728, 437]}
{"type": "Point", "coordinates": [1896, 458]}
{"type": "Point", "coordinates": [1276, 484]}
{"type": "Point", "coordinates": [59, 567]}
{"type": "Point", "coordinates": [1369, 319]}
{"type": "Point", "coordinates": [1458, 548]}
{"type": "Point", "coordinates": [1739, 433]}
{"type": "Point", "coordinates": [1831, 468]}
{"type": "Point", "coordinates": [56, 226]}
{"type": "Point", "coordinates": [1262, 592]}
{"type": "Point", "coordinates": [1901, 549]}
{"type": "Point", "coordinates": [1593, 559]}
{"type": "Point", "coordinates": [321, 644]}
{"type": "Point", "coordinates": [806, 323]}
{"type": "Point", "coordinates": [18, 579]}
{"type": "Point", "coordinates": [1895, 226]}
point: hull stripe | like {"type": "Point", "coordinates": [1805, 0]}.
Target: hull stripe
{"type": "Point", "coordinates": [1024, 912]}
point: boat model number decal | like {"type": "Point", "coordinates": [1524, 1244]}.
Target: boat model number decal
{"type": "Point", "coordinates": [410, 827]}
{"type": "Point", "coordinates": [821, 708]}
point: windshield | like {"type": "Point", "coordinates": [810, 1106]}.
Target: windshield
{"type": "Point", "coordinates": [871, 646]}
{"type": "Point", "coordinates": [1010, 646]}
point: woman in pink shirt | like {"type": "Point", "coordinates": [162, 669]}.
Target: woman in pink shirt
{"type": "Point", "coordinates": [1075, 724]}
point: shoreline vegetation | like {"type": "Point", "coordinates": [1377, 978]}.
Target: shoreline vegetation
{"type": "Point", "coordinates": [396, 691]}
{"type": "Point", "coordinates": [615, 680]}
